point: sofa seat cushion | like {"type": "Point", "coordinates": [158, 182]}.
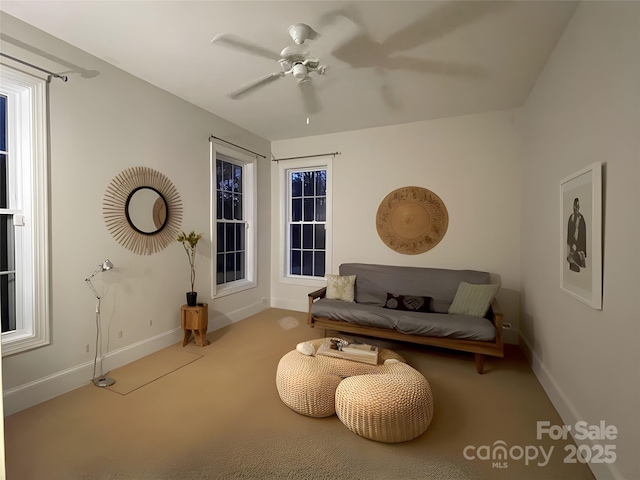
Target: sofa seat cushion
{"type": "Point", "coordinates": [414, 323]}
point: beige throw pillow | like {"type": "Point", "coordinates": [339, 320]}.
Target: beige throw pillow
{"type": "Point", "coordinates": [341, 288]}
{"type": "Point", "coordinates": [473, 299]}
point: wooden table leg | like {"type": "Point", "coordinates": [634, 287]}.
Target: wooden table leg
{"type": "Point", "coordinates": [200, 337]}
{"type": "Point", "coordinates": [187, 334]}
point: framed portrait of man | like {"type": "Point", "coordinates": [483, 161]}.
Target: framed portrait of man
{"type": "Point", "coordinates": [581, 235]}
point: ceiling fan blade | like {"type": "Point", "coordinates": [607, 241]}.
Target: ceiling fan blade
{"type": "Point", "coordinates": [228, 40]}
{"type": "Point", "coordinates": [401, 62]}
{"type": "Point", "coordinates": [441, 21]}
{"type": "Point", "coordinates": [309, 97]}
{"type": "Point", "coordinates": [340, 30]}
{"type": "Point", "coordinates": [257, 83]}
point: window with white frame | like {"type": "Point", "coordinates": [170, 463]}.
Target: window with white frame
{"type": "Point", "coordinates": [307, 222]}
{"type": "Point", "coordinates": [24, 270]}
{"type": "Point", "coordinates": [233, 220]}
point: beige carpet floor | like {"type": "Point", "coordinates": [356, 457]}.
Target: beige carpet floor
{"type": "Point", "coordinates": [220, 417]}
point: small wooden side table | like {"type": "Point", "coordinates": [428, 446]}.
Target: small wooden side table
{"type": "Point", "coordinates": [196, 320]}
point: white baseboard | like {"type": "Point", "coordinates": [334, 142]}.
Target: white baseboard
{"type": "Point", "coordinates": [288, 304]}
{"type": "Point", "coordinates": [46, 388]}
{"type": "Point", "coordinates": [565, 407]}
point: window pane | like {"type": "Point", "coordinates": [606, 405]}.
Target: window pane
{"type": "Point", "coordinates": [307, 263]}
{"type": "Point", "coordinates": [8, 302]}
{"type": "Point", "coordinates": [219, 268]}
{"type": "Point", "coordinates": [296, 210]}
{"type": "Point", "coordinates": [227, 200]}
{"type": "Point", "coordinates": [296, 184]}
{"type": "Point", "coordinates": [227, 176]}
{"type": "Point", "coordinates": [3, 181]}
{"type": "Point", "coordinates": [308, 209]}
{"type": "Point", "coordinates": [321, 209]}
{"type": "Point", "coordinates": [230, 267]}
{"type": "Point", "coordinates": [219, 175]}
{"type": "Point", "coordinates": [296, 262]}
{"type": "Point", "coordinates": [319, 237]}
{"type": "Point", "coordinates": [230, 237]}
{"type": "Point", "coordinates": [237, 175]}
{"type": "Point", "coordinates": [240, 236]}
{"type": "Point", "coordinates": [3, 123]}
{"type": "Point", "coordinates": [7, 235]}
{"type": "Point", "coordinates": [239, 266]}
{"type": "Point", "coordinates": [318, 267]}
{"type": "Point", "coordinates": [7, 280]}
{"type": "Point", "coordinates": [309, 179]}
{"type": "Point", "coordinates": [307, 236]}
{"type": "Point", "coordinates": [321, 182]}
{"type": "Point", "coordinates": [296, 236]}
{"type": "Point", "coordinates": [219, 206]}
{"type": "Point", "coordinates": [237, 207]}
{"type": "Point", "coordinates": [220, 237]}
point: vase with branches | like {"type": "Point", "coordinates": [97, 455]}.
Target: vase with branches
{"type": "Point", "coordinates": [189, 242]}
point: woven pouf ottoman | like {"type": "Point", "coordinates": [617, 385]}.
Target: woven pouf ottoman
{"type": "Point", "coordinates": [391, 407]}
{"type": "Point", "coordinates": [388, 402]}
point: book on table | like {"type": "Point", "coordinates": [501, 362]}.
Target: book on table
{"type": "Point", "coordinates": [358, 352]}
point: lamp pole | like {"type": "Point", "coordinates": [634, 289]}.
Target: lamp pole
{"type": "Point", "coordinates": [102, 380]}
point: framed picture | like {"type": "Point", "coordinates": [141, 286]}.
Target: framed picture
{"type": "Point", "coordinates": [581, 235]}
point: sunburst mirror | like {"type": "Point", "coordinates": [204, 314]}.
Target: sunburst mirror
{"type": "Point", "coordinates": [142, 210]}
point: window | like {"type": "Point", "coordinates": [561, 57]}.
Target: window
{"type": "Point", "coordinates": [233, 220]}
{"type": "Point", "coordinates": [307, 216]}
{"type": "Point", "coordinates": [24, 271]}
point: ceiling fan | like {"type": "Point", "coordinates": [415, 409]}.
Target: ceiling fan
{"type": "Point", "coordinates": [296, 60]}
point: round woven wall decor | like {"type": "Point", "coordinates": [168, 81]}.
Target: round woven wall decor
{"type": "Point", "coordinates": [412, 220]}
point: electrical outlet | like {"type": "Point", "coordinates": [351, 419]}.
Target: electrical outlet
{"type": "Point", "coordinates": [86, 347]}
{"type": "Point", "coordinates": [119, 333]}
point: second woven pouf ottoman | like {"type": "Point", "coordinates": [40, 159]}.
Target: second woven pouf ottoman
{"type": "Point", "coordinates": [389, 407]}
{"type": "Point", "coordinates": [389, 402]}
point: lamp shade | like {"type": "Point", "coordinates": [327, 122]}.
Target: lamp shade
{"type": "Point", "coordinates": [107, 265]}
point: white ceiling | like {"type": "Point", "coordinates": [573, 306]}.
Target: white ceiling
{"type": "Point", "coordinates": [408, 61]}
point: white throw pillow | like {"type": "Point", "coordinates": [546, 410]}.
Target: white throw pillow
{"type": "Point", "coordinates": [305, 348]}
{"type": "Point", "coordinates": [341, 288]}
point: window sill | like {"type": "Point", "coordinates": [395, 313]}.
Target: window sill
{"type": "Point", "coordinates": [304, 281]}
{"type": "Point", "coordinates": [23, 343]}
{"type": "Point", "coordinates": [225, 290]}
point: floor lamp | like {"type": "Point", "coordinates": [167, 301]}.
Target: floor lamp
{"type": "Point", "coordinates": [101, 381]}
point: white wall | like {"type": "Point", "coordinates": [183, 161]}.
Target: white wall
{"type": "Point", "coordinates": [98, 127]}
{"type": "Point", "coordinates": [585, 108]}
{"type": "Point", "coordinates": [472, 163]}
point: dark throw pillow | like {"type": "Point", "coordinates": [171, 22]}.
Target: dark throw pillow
{"type": "Point", "coordinates": [408, 303]}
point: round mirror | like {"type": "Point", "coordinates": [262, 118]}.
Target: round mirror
{"type": "Point", "coordinates": [146, 210]}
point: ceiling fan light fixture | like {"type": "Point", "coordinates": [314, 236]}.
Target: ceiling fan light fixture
{"type": "Point", "coordinates": [300, 71]}
{"type": "Point", "coordinates": [299, 32]}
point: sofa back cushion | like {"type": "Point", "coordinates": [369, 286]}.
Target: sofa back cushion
{"type": "Point", "coordinates": [373, 282]}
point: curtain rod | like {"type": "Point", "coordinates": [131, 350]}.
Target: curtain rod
{"type": "Point", "coordinates": [245, 149]}
{"type": "Point", "coordinates": [308, 156]}
{"type": "Point", "coordinates": [64, 78]}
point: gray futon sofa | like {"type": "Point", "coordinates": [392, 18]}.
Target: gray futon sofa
{"type": "Point", "coordinates": [376, 284]}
